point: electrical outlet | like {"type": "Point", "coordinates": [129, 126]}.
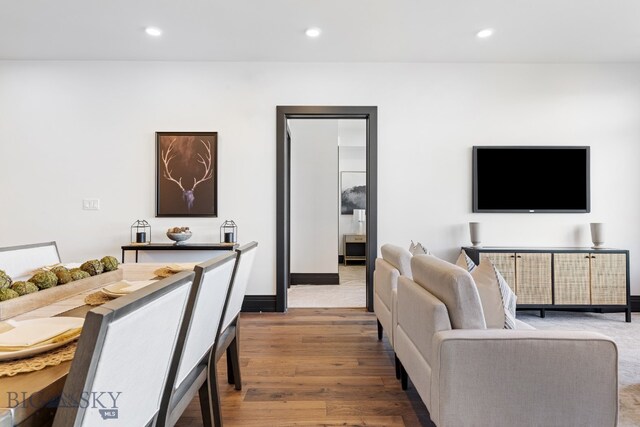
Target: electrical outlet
{"type": "Point", "coordinates": [91, 204]}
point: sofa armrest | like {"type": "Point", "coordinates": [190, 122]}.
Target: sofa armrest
{"type": "Point", "coordinates": [524, 378]}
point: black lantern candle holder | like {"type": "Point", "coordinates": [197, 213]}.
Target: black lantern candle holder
{"type": "Point", "coordinates": [140, 232]}
{"type": "Point", "coordinates": [228, 232]}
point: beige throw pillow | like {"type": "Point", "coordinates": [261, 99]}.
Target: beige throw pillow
{"type": "Point", "coordinates": [465, 262]}
{"type": "Point", "coordinates": [497, 298]}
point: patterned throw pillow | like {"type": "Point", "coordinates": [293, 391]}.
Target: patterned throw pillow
{"type": "Point", "coordinates": [418, 249]}
{"type": "Point", "coordinates": [508, 301]}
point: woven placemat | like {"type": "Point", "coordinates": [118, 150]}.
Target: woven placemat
{"type": "Point", "coordinates": [41, 361]}
{"type": "Point", "coordinates": [96, 298]}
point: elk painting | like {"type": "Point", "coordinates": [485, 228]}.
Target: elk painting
{"type": "Point", "coordinates": [186, 174]}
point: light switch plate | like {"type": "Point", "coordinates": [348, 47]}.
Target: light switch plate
{"type": "Point", "coordinates": [91, 204]}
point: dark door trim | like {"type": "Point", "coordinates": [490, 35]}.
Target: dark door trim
{"type": "Point", "coordinates": [283, 154]}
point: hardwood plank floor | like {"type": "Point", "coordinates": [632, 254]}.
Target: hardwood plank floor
{"type": "Point", "coordinates": [314, 367]}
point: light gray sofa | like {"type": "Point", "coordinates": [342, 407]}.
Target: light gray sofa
{"type": "Point", "coordinates": [468, 375]}
{"type": "Point", "coordinates": [395, 261]}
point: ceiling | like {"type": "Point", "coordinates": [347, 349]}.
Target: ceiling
{"type": "Point", "coordinates": [352, 30]}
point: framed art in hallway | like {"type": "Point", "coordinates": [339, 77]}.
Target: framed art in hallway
{"type": "Point", "coordinates": [186, 174]}
{"type": "Point", "coordinates": [353, 191]}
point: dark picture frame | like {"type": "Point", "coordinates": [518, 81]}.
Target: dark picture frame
{"type": "Point", "coordinates": [186, 174]}
{"type": "Point", "coordinates": [353, 191]}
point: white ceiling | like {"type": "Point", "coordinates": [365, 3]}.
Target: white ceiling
{"type": "Point", "coordinates": [353, 30]}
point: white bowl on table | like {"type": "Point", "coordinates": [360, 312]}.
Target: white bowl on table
{"type": "Point", "coordinates": [179, 238]}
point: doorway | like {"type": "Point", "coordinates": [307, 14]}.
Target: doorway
{"type": "Point", "coordinates": [327, 213]}
{"type": "Point", "coordinates": [283, 214]}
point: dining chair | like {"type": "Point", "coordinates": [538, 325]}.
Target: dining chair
{"type": "Point", "coordinates": [229, 337]}
{"type": "Point", "coordinates": [20, 261]}
{"type": "Point", "coordinates": [123, 356]}
{"type": "Point", "coordinates": [189, 373]}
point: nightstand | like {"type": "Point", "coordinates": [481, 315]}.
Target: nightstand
{"type": "Point", "coordinates": [354, 247]}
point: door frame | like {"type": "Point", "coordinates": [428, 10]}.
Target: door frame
{"type": "Point", "coordinates": [283, 190]}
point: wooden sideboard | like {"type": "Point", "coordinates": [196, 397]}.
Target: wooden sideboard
{"type": "Point", "coordinates": [563, 278]}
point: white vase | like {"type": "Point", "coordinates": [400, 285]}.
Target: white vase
{"type": "Point", "coordinates": [597, 234]}
{"type": "Point", "coordinates": [474, 231]}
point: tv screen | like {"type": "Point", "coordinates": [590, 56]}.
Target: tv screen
{"type": "Point", "coordinates": [531, 179]}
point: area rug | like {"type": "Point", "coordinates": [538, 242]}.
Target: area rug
{"type": "Point", "coordinates": [350, 293]}
{"type": "Point", "coordinates": [626, 336]}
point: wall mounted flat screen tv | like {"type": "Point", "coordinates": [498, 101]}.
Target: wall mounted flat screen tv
{"type": "Point", "coordinates": [531, 179]}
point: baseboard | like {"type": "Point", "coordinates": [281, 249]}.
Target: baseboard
{"type": "Point", "coordinates": [314, 279]}
{"type": "Point", "coordinates": [635, 303]}
{"type": "Point", "coordinates": [258, 303]}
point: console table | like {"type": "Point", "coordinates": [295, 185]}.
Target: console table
{"type": "Point", "coordinates": [174, 247]}
{"type": "Point", "coordinates": [563, 278]}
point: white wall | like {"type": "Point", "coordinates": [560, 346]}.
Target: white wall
{"type": "Point", "coordinates": [314, 179]}
{"type": "Point", "coordinates": [352, 157]}
{"type": "Point", "coordinates": [70, 130]}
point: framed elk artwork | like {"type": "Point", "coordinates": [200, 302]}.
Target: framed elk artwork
{"type": "Point", "coordinates": [186, 174]}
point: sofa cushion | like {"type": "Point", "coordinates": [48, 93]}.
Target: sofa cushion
{"type": "Point", "coordinates": [498, 300]}
{"type": "Point", "coordinates": [399, 257]}
{"type": "Point", "coordinates": [454, 287]}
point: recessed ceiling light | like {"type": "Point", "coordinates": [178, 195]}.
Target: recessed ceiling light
{"type": "Point", "coordinates": [313, 32]}
{"type": "Point", "coordinates": [483, 34]}
{"type": "Point", "coordinates": [153, 31]}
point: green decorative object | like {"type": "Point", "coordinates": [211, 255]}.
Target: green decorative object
{"type": "Point", "coordinates": [5, 280]}
{"type": "Point", "coordinates": [24, 288]}
{"type": "Point", "coordinates": [110, 263]}
{"type": "Point", "coordinates": [64, 276]}
{"type": "Point", "coordinates": [7, 294]}
{"type": "Point", "coordinates": [93, 267]}
{"type": "Point", "coordinates": [44, 280]}
{"type": "Point", "coordinates": [77, 274]}
{"type": "Point", "coordinates": [59, 268]}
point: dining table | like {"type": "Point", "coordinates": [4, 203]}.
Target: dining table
{"type": "Point", "coordinates": [30, 399]}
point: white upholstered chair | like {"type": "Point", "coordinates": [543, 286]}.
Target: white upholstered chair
{"type": "Point", "coordinates": [189, 374]}
{"type": "Point", "coordinates": [20, 261]}
{"type": "Point", "coordinates": [123, 357]}
{"type": "Point", "coordinates": [229, 337]}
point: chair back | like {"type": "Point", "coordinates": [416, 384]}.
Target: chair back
{"type": "Point", "coordinates": [20, 261]}
{"type": "Point", "coordinates": [204, 312]}
{"type": "Point", "coordinates": [123, 357]}
{"type": "Point", "coordinates": [246, 257]}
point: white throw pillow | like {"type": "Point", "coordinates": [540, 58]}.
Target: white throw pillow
{"type": "Point", "coordinates": [497, 298]}
{"type": "Point", "coordinates": [418, 249]}
{"type": "Point", "coordinates": [465, 262]}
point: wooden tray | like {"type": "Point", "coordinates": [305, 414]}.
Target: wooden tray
{"type": "Point", "coordinates": [25, 303]}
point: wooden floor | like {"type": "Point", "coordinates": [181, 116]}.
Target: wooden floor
{"type": "Point", "coordinates": [314, 367]}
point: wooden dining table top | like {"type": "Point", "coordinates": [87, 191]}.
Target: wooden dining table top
{"type": "Point", "coordinates": [24, 397]}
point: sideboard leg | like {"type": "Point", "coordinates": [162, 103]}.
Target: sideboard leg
{"type": "Point", "coordinates": [542, 313]}
{"type": "Point", "coordinates": [627, 315]}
